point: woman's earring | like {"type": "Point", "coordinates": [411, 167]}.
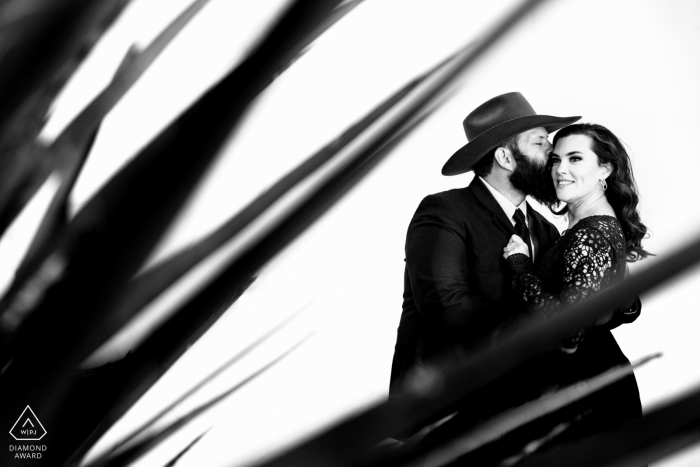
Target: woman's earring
{"type": "Point", "coordinates": [604, 184]}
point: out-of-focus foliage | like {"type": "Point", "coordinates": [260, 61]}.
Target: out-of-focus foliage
{"type": "Point", "coordinates": [78, 284]}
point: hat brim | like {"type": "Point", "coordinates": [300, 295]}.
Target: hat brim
{"type": "Point", "coordinates": [464, 159]}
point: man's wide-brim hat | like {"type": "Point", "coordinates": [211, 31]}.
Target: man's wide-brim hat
{"type": "Point", "coordinates": [495, 121]}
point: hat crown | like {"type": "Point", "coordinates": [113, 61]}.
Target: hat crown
{"type": "Point", "coordinates": [495, 111]}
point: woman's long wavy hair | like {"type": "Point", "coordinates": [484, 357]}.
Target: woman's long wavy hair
{"type": "Point", "coordinates": [622, 191]}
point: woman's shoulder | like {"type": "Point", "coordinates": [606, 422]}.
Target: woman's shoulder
{"type": "Point", "coordinates": [595, 231]}
{"type": "Point", "coordinates": [602, 222]}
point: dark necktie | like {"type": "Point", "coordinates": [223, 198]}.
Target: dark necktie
{"type": "Point", "coordinates": [522, 230]}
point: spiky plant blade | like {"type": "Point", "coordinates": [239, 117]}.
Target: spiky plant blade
{"type": "Point", "coordinates": [120, 226]}
{"type": "Point", "coordinates": [493, 429]}
{"type": "Point", "coordinates": [227, 364]}
{"type": "Point", "coordinates": [148, 285]}
{"type": "Point", "coordinates": [56, 217]}
{"type": "Point", "coordinates": [122, 457]}
{"type": "Point", "coordinates": [420, 404]}
{"type": "Point", "coordinates": [179, 455]}
{"type": "Point", "coordinates": [133, 66]}
{"type": "Point", "coordinates": [69, 150]}
{"type": "Point", "coordinates": [254, 73]}
{"type": "Point", "coordinates": [143, 368]}
{"type": "Point", "coordinates": [170, 339]}
{"type": "Point", "coordinates": [187, 318]}
{"type": "Point", "coordinates": [42, 42]}
{"type": "Point", "coordinates": [168, 342]}
{"type": "Point", "coordinates": [659, 433]}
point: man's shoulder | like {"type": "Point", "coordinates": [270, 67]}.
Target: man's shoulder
{"type": "Point", "coordinates": [456, 196]}
{"type": "Point", "coordinates": [452, 207]}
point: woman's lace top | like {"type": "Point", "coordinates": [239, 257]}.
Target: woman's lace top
{"type": "Point", "coordinates": [587, 258]}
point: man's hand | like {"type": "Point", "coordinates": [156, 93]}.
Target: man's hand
{"type": "Point", "coordinates": [515, 245]}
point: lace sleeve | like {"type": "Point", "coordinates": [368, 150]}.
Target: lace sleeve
{"type": "Point", "coordinates": [587, 256]}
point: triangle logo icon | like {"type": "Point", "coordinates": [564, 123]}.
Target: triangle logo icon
{"type": "Point", "coordinates": [27, 427]}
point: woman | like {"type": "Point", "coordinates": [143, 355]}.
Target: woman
{"type": "Point", "coordinates": [591, 173]}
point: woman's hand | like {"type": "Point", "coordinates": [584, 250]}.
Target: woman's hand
{"type": "Point", "coordinates": [515, 245]}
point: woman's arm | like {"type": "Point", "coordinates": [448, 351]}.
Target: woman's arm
{"type": "Point", "coordinates": [586, 258]}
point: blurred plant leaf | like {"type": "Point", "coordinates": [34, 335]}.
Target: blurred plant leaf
{"type": "Point", "coordinates": [148, 285]}
{"type": "Point", "coordinates": [659, 433]}
{"type": "Point", "coordinates": [336, 15]}
{"type": "Point", "coordinates": [118, 228]}
{"type": "Point", "coordinates": [68, 151]}
{"type": "Point", "coordinates": [56, 216]}
{"type": "Point", "coordinates": [252, 73]}
{"type": "Point", "coordinates": [152, 282]}
{"type": "Point", "coordinates": [188, 318]}
{"type": "Point", "coordinates": [493, 429]}
{"type": "Point", "coordinates": [171, 338]}
{"type": "Point", "coordinates": [179, 455]}
{"type": "Point", "coordinates": [153, 420]}
{"type": "Point", "coordinates": [362, 431]}
{"type": "Point", "coordinates": [371, 426]}
{"type": "Point", "coordinates": [119, 457]}
{"type": "Point", "coordinates": [37, 162]}
{"type": "Point", "coordinates": [142, 368]}
{"type": "Point", "coordinates": [42, 42]}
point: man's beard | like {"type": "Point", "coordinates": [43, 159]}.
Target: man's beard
{"type": "Point", "coordinates": [534, 179]}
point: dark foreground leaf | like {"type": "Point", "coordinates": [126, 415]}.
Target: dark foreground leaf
{"type": "Point", "coordinates": [153, 420]}
{"type": "Point", "coordinates": [109, 239]}
{"type": "Point", "coordinates": [42, 42]}
{"type": "Point", "coordinates": [122, 457]}
{"type": "Point", "coordinates": [170, 339]}
{"type": "Point", "coordinates": [495, 428]}
{"type": "Point", "coordinates": [660, 433]}
{"type": "Point", "coordinates": [179, 455]}
{"type": "Point", "coordinates": [69, 150]}
{"type": "Point", "coordinates": [343, 443]}
{"type": "Point", "coordinates": [151, 283]}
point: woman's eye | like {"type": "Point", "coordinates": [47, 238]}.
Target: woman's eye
{"type": "Point", "coordinates": [575, 158]}
{"type": "Point", "coordinates": [554, 160]}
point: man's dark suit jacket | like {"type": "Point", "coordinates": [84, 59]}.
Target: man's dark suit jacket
{"type": "Point", "coordinates": [457, 285]}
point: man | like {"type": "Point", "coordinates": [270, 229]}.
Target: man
{"type": "Point", "coordinates": [457, 293]}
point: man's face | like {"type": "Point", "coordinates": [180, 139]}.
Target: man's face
{"type": "Point", "coordinates": [535, 145]}
{"type": "Point", "coordinates": [531, 174]}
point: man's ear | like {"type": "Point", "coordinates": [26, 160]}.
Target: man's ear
{"type": "Point", "coordinates": [504, 158]}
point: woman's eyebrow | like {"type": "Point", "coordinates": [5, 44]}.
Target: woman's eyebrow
{"type": "Point", "coordinates": [567, 154]}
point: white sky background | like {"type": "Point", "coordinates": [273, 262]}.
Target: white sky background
{"type": "Point", "coordinates": [630, 65]}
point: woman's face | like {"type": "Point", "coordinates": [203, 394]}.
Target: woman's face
{"type": "Point", "coordinates": [575, 170]}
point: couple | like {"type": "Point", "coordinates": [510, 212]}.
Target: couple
{"type": "Point", "coordinates": [479, 258]}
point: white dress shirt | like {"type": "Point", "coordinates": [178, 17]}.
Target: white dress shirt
{"type": "Point", "coordinates": [509, 209]}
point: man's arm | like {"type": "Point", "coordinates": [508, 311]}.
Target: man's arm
{"type": "Point", "coordinates": [438, 267]}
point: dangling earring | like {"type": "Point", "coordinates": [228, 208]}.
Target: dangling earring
{"type": "Point", "coordinates": [604, 184]}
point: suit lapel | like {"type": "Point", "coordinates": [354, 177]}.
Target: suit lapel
{"type": "Point", "coordinates": [484, 196]}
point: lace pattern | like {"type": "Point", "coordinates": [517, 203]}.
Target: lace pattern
{"type": "Point", "coordinates": [586, 259]}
